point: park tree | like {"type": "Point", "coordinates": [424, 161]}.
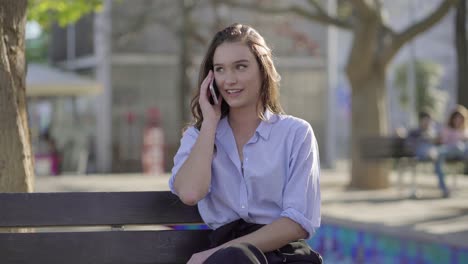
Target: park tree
{"type": "Point", "coordinates": [16, 158]}
{"type": "Point", "coordinates": [16, 161]}
{"type": "Point", "coordinates": [374, 45]}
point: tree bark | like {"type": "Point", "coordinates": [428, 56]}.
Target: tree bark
{"type": "Point", "coordinates": [462, 53]}
{"type": "Point", "coordinates": [366, 74]}
{"type": "Point", "coordinates": [369, 118]}
{"type": "Point", "coordinates": [16, 162]}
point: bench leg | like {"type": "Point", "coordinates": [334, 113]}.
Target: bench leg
{"type": "Point", "coordinates": [402, 169]}
{"type": "Point", "coordinates": [414, 191]}
{"type": "Point", "coordinates": [454, 185]}
{"type": "Point", "coordinates": [459, 169]}
{"type": "Point", "coordinates": [400, 174]}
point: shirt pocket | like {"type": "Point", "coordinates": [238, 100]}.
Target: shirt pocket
{"type": "Point", "coordinates": [265, 185]}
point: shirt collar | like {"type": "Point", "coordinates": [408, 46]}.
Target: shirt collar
{"type": "Point", "coordinates": [266, 125]}
{"type": "Point", "coordinates": [222, 127]}
{"type": "Point", "coordinates": [263, 129]}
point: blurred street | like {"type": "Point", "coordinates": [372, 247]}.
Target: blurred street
{"type": "Point", "coordinates": [392, 212]}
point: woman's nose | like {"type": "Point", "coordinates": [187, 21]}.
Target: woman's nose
{"type": "Point", "coordinates": [231, 78]}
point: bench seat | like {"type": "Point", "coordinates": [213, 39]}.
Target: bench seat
{"type": "Point", "coordinates": [51, 219]}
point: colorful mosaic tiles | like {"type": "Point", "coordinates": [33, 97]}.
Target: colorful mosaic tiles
{"type": "Point", "coordinates": [344, 245]}
{"type": "Point", "coordinates": [341, 245]}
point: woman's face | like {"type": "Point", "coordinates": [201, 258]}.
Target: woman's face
{"type": "Point", "coordinates": [425, 123]}
{"type": "Point", "coordinates": [458, 121]}
{"type": "Point", "coordinates": [237, 75]}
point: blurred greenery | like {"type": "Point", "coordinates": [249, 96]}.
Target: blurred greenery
{"type": "Point", "coordinates": [429, 97]}
{"type": "Point", "coordinates": [47, 12]}
{"type": "Point", "coordinates": [37, 48]}
{"type": "Point", "coordinates": [64, 12]}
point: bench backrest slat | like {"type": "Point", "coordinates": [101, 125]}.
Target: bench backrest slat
{"type": "Point", "coordinates": [93, 208]}
{"type": "Point", "coordinates": [385, 147]}
{"type": "Point", "coordinates": [102, 247]}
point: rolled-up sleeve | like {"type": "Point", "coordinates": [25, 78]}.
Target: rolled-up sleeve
{"type": "Point", "coordinates": [301, 198]}
{"type": "Point", "coordinates": [186, 143]}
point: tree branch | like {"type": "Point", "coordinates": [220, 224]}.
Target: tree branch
{"type": "Point", "coordinates": [363, 9]}
{"type": "Point", "coordinates": [413, 30]}
{"type": "Point", "coordinates": [321, 16]}
{"type": "Point", "coordinates": [318, 7]}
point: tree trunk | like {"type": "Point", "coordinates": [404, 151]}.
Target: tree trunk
{"type": "Point", "coordinates": [462, 53]}
{"type": "Point", "coordinates": [16, 162]}
{"type": "Point", "coordinates": [369, 118]}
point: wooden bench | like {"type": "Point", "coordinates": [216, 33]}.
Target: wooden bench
{"type": "Point", "coordinates": [52, 220]}
{"type": "Point", "coordinates": [397, 149]}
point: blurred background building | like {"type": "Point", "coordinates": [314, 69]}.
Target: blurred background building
{"type": "Point", "coordinates": [145, 54]}
{"type": "Point", "coordinates": [133, 48]}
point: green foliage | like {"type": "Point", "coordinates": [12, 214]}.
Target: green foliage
{"type": "Point", "coordinates": [64, 12]}
{"type": "Point", "coordinates": [36, 49]}
{"type": "Point", "coordinates": [429, 97]}
{"type": "Point", "coordinates": [345, 9]}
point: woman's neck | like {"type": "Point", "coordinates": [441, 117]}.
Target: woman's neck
{"type": "Point", "coordinates": [244, 120]}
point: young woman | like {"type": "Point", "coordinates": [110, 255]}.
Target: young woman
{"type": "Point", "coordinates": [454, 143]}
{"type": "Point", "coordinates": [252, 171]}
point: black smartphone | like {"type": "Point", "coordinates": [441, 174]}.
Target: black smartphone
{"type": "Point", "coordinates": [214, 92]}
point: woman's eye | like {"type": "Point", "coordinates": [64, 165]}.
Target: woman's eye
{"type": "Point", "coordinates": [241, 67]}
{"type": "Point", "coordinates": [218, 69]}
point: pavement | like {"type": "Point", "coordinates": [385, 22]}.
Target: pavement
{"type": "Point", "coordinates": [391, 211]}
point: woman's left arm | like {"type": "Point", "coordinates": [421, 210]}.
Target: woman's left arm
{"type": "Point", "coordinates": [272, 236]}
{"type": "Point", "coordinates": [268, 238]}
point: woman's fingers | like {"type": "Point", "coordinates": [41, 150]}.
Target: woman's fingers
{"type": "Point", "coordinates": [220, 101]}
{"type": "Point", "coordinates": [204, 86]}
{"type": "Point", "coordinates": [209, 111]}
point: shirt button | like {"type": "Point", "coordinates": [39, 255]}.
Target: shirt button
{"type": "Point", "coordinates": [243, 206]}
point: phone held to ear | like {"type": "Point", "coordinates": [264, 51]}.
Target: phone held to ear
{"type": "Point", "coordinates": [214, 92]}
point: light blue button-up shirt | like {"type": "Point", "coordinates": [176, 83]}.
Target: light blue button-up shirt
{"type": "Point", "coordinates": [279, 176]}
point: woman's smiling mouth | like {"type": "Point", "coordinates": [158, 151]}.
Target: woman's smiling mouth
{"type": "Point", "coordinates": [233, 91]}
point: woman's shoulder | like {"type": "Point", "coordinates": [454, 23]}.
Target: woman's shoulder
{"type": "Point", "coordinates": [293, 123]}
{"type": "Point", "coordinates": [190, 131]}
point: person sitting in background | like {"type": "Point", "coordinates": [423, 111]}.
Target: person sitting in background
{"type": "Point", "coordinates": [453, 139]}
{"type": "Point", "coordinates": [422, 139]}
{"type": "Point", "coordinates": [47, 155]}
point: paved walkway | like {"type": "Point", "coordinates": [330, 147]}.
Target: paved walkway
{"type": "Point", "coordinates": [389, 211]}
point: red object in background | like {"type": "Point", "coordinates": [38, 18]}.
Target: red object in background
{"type": "Point", "coordinates": [153, 144]}
{"type": "Point", "coordinates": [46, 164]}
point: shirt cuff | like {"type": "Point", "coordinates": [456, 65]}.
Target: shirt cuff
{"type": "Point", "coordinates": [171, 184]}
{"type": "Point", "coordinates": [299, 218]}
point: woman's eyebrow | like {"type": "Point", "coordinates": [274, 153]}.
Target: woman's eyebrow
{"type": "Point", "coordinates": [235, 62]}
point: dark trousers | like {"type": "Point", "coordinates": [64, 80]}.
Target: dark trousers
{"type": "Point", "coordinates": [295, 252]}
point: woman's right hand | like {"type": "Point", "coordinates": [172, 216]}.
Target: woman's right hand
{"type": "Point", "coordinates": [211, 113]}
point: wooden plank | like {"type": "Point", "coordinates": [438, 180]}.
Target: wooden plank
{"type": "Point", "coordinates": [102, 247]}
{"type": "Point", "coordinates": [94, 208]}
